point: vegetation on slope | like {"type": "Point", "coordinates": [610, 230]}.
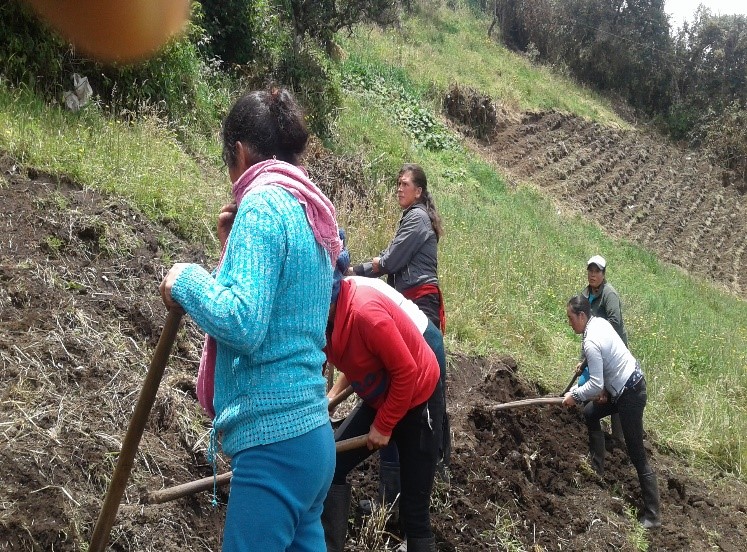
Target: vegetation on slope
{"type": "Point", "coordinates": [509, 261]}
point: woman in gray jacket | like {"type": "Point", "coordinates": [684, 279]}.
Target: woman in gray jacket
{"type": "Point", "coordinates": [410, 261]}
{"type": "Point", "coordinates": [615, 385]}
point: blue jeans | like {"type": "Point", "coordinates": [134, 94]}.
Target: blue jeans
{"type": "Point", "coordinates": [630, 406]}
{"type": "Point", "coordinates": [277, 494]}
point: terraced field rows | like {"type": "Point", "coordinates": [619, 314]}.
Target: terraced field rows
{"type": "Point", "coordinates": [670, 201]}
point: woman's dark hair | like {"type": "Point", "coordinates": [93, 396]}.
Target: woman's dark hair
{"type": "Point", "coordinates": [419, 179]}
{"type": "Point", "coordinates": [580, 304]}
{"type": "Point", "coordinates": [270, 122]}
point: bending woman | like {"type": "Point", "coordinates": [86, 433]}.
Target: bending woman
{"type": "Point", "coordinates": [384, 356]}
{"type": "Point", "coordinates": [265, 312]}
{"type": "Point", "coordinates": [615, 385]}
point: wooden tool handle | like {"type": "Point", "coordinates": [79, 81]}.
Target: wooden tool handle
{"type": "Point", "coordinates": [205, 484]}
{"type": "Point", "coordinates": [528, 402]}
{"type": "Point", "coordinates": [131, 441]}
{"type": "Point", "coordinates": [335, 401]}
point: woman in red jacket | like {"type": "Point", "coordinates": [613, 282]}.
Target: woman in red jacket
{"type": "Point", "coordinates": [385, 358]}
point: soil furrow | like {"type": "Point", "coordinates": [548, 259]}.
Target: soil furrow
{"type": "Point", "coordinates": [669, 200]}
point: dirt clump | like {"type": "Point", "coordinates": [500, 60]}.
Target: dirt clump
{"type": "Point", "coordinates": [474, 112]}
{"type": "Point", "coordinates": [80, 316]}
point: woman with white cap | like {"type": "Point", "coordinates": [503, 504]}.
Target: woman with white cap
{"type": "Point", "coordinates": [605, 303]}
{"type": "Point", "coordinates": [603, 298]}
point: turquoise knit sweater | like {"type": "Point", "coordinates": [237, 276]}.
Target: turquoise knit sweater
{"type": "Point", "coordinates": [267, 309]}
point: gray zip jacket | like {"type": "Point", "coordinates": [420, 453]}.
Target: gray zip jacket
{"type": "Point", "coordinates": [411, 258]}
{"type": "Point", "coordinates": [607, 305]}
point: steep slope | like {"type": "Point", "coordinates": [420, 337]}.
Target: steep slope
{"type": "Point", "coordinates": [79, 317]}
{"type": "Point", "coordinates": [635, 185]}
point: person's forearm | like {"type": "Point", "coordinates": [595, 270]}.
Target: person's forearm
{"type": "Point", "coordinates": [339, 386]}
{"type": "Point", "coordinates": [366, 269]}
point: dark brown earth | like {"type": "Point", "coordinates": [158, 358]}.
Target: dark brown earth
{"type": "Point", "coordinates": [79, 318]}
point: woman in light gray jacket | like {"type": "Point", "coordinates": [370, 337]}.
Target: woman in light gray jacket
{"type": "Point", "coordinates": [615, 385]}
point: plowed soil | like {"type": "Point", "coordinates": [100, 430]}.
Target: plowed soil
{"type": "Point", "coordinates": [80, 316]}
{"type": "Point", "coordinates": [670, 200]}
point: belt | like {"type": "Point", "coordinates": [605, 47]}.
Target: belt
{"type": "Point", "coordinates": [635, 378]}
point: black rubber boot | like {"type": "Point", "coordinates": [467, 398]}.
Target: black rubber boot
{"type": "Point", "coordinates": [444, 460]}
{"type": "Point", "coordinates": [389, 488]}
{"type": "Point", "coordinates": [335, 517]}
{"type": "Point", "coordinates": [650, 491]}
{"type": "Point", "coordinates": [421, 545]}
{"type": "Point", "coordinates": [597, 451]}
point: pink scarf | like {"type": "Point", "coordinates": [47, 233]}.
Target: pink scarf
{"type": "Point", "coordinates": [321, 216]}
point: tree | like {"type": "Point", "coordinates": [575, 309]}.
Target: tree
{"type": "Point", "coordinates": [321, 19]}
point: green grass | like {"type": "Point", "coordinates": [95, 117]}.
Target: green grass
{"type": "Point", "coordinates": [508, 264]}
{"type": "Point", "coordinates": [141, 160]}
{"type": "Point", "coordinates": [439, 46]}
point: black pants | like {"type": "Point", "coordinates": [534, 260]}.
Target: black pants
{"type": "Point", "coordinates": [431, 305]}
{"type": "Point", "coordinates": [435, 341]}
{"type": "Point", "coordinates": [630, 406]}
{"type": "Point", "coordinates": [418, 436]}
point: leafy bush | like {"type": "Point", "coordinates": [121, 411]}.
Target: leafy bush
{"type": "Point", "coordinates": [724, 135]}
{"type": "Point", "coordinates": [31, 55]}
{"type": "Point", "coordinates": [401, 102]}
{"type": "Point", "coordinates": [316, 85]}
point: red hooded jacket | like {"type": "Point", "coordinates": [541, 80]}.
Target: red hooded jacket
{"type": "Point", "coordinates": [382, 353]}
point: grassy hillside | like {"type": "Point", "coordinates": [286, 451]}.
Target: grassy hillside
{"type": "Point", "coordinates": [438, 46]}
{"type": "Point", "coordinates": [509, 260]}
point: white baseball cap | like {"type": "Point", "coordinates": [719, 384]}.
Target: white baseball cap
{"type": "Point", "coordinates": [597, 260]}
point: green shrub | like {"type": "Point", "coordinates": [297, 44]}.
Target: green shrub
{"type": "Point", "coordinates": [402, 101]}
{"type": "Point", "coordinates": [316, 84]}
{"type": "Point", "coordinates": [31, 55]}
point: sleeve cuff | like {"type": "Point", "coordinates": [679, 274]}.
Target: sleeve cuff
{"type": "Point", "coordinates": [189, 284]}
{"type": "Point", "coordinates": [364, 269]}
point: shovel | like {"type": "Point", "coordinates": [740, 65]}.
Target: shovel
{"type": "Point", "coordinates": [536, 401]}
{"type": "Point", "coordinates": [126, 459]}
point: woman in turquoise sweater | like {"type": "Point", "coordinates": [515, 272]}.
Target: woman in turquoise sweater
{"type": "Point", "coordinates": [265, 312]}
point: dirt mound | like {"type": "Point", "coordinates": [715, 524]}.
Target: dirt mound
{"type": "Point", "coordinates": [79, 318]}
{"type": "Point", "coordinates": [475, 112]}
{"type": "Point", "coordinates": [671, 201]}
{"type": "Point", "coordinates": [520, 480]}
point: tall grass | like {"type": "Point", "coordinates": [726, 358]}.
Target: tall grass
{"type": "Point", "coordinates": [439, 46]}
{"type": "Point", "coordinates": [142, 159]}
